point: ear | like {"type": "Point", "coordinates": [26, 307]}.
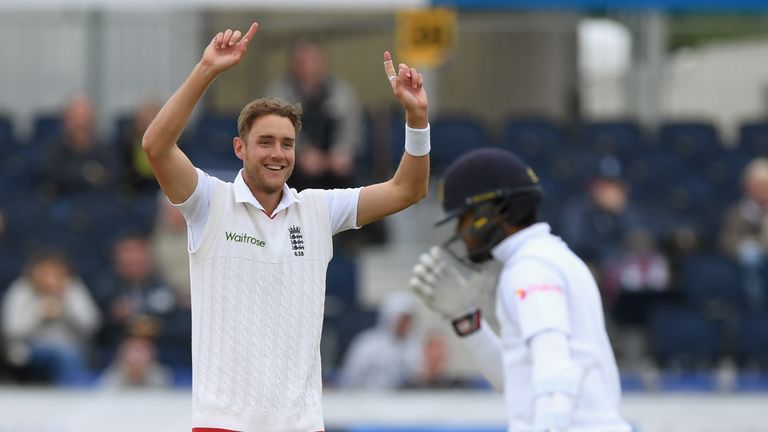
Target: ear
{"type": "Point", "coordinates": [239, 146]}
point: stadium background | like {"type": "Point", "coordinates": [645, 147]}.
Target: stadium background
{"type": "Point", "coordinates": [674, 90]}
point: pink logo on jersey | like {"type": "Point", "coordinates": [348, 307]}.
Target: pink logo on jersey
{"type": "Point", "coordinates": [524, 292]}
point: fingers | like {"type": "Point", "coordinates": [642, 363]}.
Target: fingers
{"type": "Point", "coordinates": [217, 39]}
{"type": "Point", "coordinates": [389, 68]}
{"type": "Point", "coordinates": [227, 37]}
{"type": "Point", "coordinates": [251, 33]}
{"type": "Point", "coordinates": [420, 288]}
{"type": "Point", "coordinates": [230, 37]}
{"type": "Point", "coordinates": [235, 37]}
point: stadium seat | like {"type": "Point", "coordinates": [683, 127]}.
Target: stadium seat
{"type": "Point", "coordinates": [622, 139]}
{"type": "Point", "coordinates": [45, 129]}
{"type": "Point", "coordinates": [345, 327]}
{"type": "Point", "coordinates": [535, 140]}
{"type": "Point", "coordinates": [454, 136]}
{"type": "Point", "coordinates": [211, 145]}
{"type": "Point", "coordinates": [364, 159]}
{"type": "Point", "coordinates": [711, 283]}
{"type": "Point", "coordinates": [752, 341]}
{"type": "Point", "coordinates": [684, 338]}
{"type": "Point", "coordinates": [753, 138]}
{"type": "Point", "coordinates": [694, 142]}
{"type": "Point", "coordinates": [7, 135]}
{"type": "Point", "coordinates": [341, 280]}
{"type": "Point", "coordinates": [573, 170]}
{"type": "Point", "coordinates": [121, 127]}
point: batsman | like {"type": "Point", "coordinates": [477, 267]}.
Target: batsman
{"type": "Point", "coordinates": [552, 358]}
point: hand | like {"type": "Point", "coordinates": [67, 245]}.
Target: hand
{"type": "Point", "coordinates": [52, 307]}
{"type": "Point", "coordinates": [442, 287]}
{"type": "Point", "coordinates": [312, 161]}
{"type": "Point", "coordinates": [227, 49]}
{"type": "Point", "coordinates": [408, 87]}
{"type": "Point", "coordinates": [341, 164]}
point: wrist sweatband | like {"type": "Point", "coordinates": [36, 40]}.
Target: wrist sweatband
{"type": "Point", "coordinates": [417, 141]}
{"type": "Point", "coordinates": [467, 324]}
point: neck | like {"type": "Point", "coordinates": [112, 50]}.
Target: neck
{"type": "Point", "coordinates": [268, 199]}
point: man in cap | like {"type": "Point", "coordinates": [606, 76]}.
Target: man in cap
{"type": "Point", "coordinates": [552, 358]}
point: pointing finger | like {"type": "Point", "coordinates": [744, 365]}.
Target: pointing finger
{"type": "Point", "coordinates": [389, 68]}
{"type": "Point", "coordinates": [251, 32]}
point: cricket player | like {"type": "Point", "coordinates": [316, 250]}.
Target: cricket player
{"type": "Point", "coordinates": [259, 250]}
{"type": "Point", "coordinates": [553, 359]}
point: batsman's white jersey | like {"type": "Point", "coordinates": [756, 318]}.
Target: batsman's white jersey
{"type": "Point", "coordinates": [544, 286]}
{"type": "Point", "coordinates": [258, 291]}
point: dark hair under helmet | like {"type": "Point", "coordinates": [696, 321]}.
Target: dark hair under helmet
{"type": "Point", "coordinates": [497, 187]}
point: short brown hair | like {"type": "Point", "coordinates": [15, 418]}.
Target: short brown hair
{"type": "Point", "coordinates": [267, 106]}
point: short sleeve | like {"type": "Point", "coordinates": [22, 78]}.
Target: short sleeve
{"type": "Point", "coordinates": [342, 204]}
{"type": "Point", "coordinates": [196, 208]}
{"type": "Point", "coordinates": [535, 292]}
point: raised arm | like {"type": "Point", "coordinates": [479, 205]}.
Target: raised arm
{"type": "Point", "coordinates": [172, 168]}
{"type": "Point", "coordinates": [410, 182]}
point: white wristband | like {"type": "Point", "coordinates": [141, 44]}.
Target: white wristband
{"type": "Point", "coordinates": [417, 141]}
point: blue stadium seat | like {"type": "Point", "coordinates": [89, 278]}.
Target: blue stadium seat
{"type": "Point", "coordinates": [651, 175]}
{"type": "Point", "coordinates": [711, 282]}
{"type": "Point", "coordinates": [573, 169]}
{"type": "Point", "coordinates": [695, 142]}
{"type": "Point", "coordinates": [725, 174]}
{"type": "Point", "coordinates": [7, 135]}
{"type": "Point", "coordinates": [345, 327]}
{"type": "Point", "coordinates": [622, 139]}
{"type": "Point", "coordinates": [28, 224]}
{"type": "Point", "coordinates": [341, 280]}
{"type": "Point", "coordinates": [452, 137]}
{"type": "Point", "coordinates": [46, 128]}
{"type": "Point", "coordinates": [752, 341]}
{"type": "Point", "coordinates": [11, 264]}
{"type": "Point", "coordinates": [690, 195]}
{"type": "Point", "coordinates": [753, 138]}
{"type": "Point", "coordinates": [122, 126]}
{"type": "Point", "coordinates": [684, 338]}
{"type": "Point", "coordinates": [535, 140]}
{"type": "Point", "coordinates": [211, 145]}
{"type": "Point", "coordinates": [364, 158]}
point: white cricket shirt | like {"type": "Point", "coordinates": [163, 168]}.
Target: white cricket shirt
{"type": "Point", "coordinates": [544, 286]}
{"type": "Point", "coordinates": [258, 291]}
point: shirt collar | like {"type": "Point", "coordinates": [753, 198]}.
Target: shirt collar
{"type": "Point", "coordinates": [243, 195]}
{"type": "Point", "coordinates": [507, 248]}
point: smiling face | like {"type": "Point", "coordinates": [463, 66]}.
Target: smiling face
{"type": "Point", "coordinates": [268, 154]}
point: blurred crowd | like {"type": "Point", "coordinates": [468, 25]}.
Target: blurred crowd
{"type": "Point", "coordinates": [94, 277]}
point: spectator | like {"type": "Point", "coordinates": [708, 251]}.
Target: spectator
{"type": "Point", "coordinates": [136, 366]}
{"type": "Point", "coordinates": [595, 225]}
{"type": "Point", "coordinates": [433, 372]}
{"type": "Point", "coordinates": [48, 319]}
{"type": "Point", "coordinates": [169, 247]}
{"type": "Point", "coordinates": [331, 120]}
{"type": "Point", "coordinates": [744, 234]}
{"type": "Point", "coordinates": [137, 176]}
{"type": "Point", "coordinates": [135, 300]}
{"type": "Point", "coordinates": [634, 283]}
{"type": "Point", "coordinates": [386, 356]}
{"type": "Point", "coordinates": [76, 162]}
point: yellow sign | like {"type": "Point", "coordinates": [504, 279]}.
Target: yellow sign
{"type": "Point", "coordinates": [426, 37]}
